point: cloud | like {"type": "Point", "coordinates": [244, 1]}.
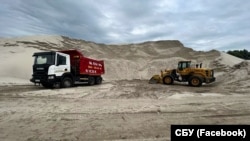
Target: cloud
{"type": "Point", "coordinates": [202, 25]}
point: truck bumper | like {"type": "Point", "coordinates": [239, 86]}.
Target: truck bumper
{"type": "Point", "coordinates": [210, 80]}
{"type": "Point", "coordinates": [46, 79]}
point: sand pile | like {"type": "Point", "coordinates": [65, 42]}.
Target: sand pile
{"type": "Point", "coordinates": [16, 64]}
{"type": "Point", "coordinates": [121, 109]}
{"type": "Point", "coordinates": [122, 62]}
{"type": "Point", "coordinates": [241, 71]}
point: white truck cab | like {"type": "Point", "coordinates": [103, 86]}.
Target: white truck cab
{"type": "Point", "coordinates": [50, 67]}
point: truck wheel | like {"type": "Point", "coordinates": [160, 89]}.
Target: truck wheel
{"type": "Point", "coordinates": [195, 81]}
{"type": "Point", "coordinates": [66, 82]}
{"type": "Point", "coordinates": [168, 80]}
{"type": "Point", "coordinates": [91, 81]}
{"type": "Point", "coordinates": [46, 85]}
{"type": "Point", "coordinates": [98, 80]}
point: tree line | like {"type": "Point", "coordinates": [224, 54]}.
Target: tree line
{"type": "Point", "coordinates": [243, 54]}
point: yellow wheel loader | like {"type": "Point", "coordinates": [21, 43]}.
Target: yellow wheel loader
{"type": "Point", "coordinates": [195, 76]}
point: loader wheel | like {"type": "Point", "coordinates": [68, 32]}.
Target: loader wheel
{"type": "Point", "coordinates": [98, 80]}
{"type": "Point", "coordinates": [168, 80]}
{"type": "Point", "coordinates": [91, 81]}
{"type": "Point", "coordinates": [66, 82]}
{"type": "Point", "coordinates": [195, 81]}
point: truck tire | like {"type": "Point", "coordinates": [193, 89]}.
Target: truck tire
{"type": "Point", "coordinates": [91, 80]}
{"type": "Point", "coordinates": [66, 82]}
{"type": "Point", "coordinates": [195, 81]}
{"type": "Point", "coordinates": [98, 80]}
{"type": "Point", "coordinates": [168, 80]}
{"type": "Point", "coordinates": [46, 85]}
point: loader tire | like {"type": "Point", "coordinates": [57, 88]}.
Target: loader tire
{"type": "Point", "coordinates": [66, 82]}
{"type": "Point", "coordinates": [168, 80]}
{"type": "Point", "coordinates": [195, 81]}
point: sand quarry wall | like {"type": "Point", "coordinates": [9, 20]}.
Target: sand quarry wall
{"type": "Point", "coordinates": [122, 62]}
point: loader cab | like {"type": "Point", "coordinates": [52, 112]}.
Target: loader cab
{"type": "Point", "coordinates": [183, 65]}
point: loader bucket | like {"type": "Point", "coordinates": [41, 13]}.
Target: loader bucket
{"type": "Point", "coordinates": [155, 79]}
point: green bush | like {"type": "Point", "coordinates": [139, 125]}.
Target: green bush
{"type": "Point", "coordinates": [243, 54]}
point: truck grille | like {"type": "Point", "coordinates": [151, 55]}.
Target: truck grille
{"type": "Point", "coordinates": [207, 73]}
{"type": "Point", "coordinates": [40, 73]}
{"type": "Point", "coordinates": [41, 77]}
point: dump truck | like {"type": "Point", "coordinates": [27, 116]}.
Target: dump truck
{"type": "Point", "coordinates": [195, 76]}
{"type": "Point", "coordinates": [66, 68]}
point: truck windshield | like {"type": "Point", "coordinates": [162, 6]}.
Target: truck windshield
{"type": "Point", "coordinates": [45, 59]}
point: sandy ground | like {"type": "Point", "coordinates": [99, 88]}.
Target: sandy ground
{"type": "Point", "coordinates": [125, 106]}
{"type": "Point", "coordinates": [120, 110]}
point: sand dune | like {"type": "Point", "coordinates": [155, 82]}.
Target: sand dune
{"type": "Point", "coordinates": [125, 106]}
{"type": "Point", "coordinates": [130, 61]}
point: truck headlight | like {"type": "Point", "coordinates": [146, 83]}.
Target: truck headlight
{"type": "Point", "coordinates": [51, 77]}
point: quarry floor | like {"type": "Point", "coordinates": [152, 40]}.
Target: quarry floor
{"type": "Point", "coordinates": [116, 110]}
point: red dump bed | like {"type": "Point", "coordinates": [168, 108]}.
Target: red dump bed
{"type": "Point", "coordinates": [86, 65]}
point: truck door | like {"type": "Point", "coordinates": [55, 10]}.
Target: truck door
{"type": "Point", "coordinates": [62, 64]}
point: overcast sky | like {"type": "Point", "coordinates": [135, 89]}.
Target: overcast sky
{"type": "Point", "coordinates": [200, 24]}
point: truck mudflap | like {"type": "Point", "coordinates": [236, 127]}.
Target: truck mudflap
{"type": "Point", "coordinates": [210, 80]}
